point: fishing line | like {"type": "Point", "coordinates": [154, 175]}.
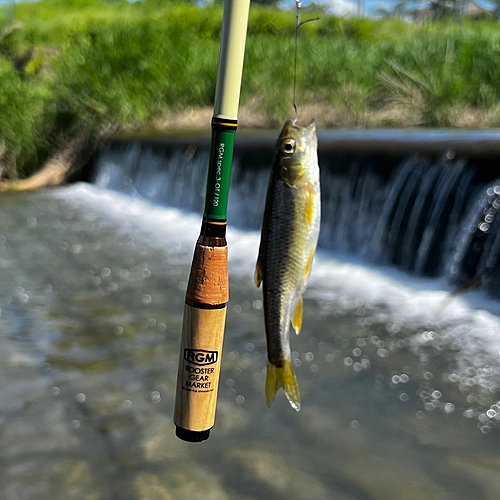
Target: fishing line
{"type": "Point", "coordinates": [298, 5]}
{"type": "Point", "coordinates": [298, 24]}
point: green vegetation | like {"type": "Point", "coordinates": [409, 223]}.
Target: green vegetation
{"type": "Point", "coordinates": [69, 65]}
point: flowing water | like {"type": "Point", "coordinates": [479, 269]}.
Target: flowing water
{"type": "Point", "coordinates": [400, 387]}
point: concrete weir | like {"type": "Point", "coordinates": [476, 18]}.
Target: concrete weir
{"type": "Point", "coordinates": [470, 143]}
{"type": "Point", "coordinates": [405, 198]}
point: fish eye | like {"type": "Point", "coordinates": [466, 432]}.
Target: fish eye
{"type": "Point", "coordinates": [288, 146]}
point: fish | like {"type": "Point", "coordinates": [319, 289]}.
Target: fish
{"type": "Point", "coordinates": [289, 237]}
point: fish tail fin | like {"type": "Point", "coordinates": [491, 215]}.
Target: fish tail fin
{"type": "Point", "coordinates": [282, 376]}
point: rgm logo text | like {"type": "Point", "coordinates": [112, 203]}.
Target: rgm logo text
{"type": "Point", "coordinates": [200, 356]}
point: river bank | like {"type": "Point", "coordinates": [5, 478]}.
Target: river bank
{"type": "Point", "coordinates": [326, 115]}
{"type": "Point", "coordinates": [91, 66]}
{"type": "Point", "coordinates": [66, 160]}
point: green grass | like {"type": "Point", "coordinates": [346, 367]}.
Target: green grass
{"type": "Point", "coordinates": [93, 63]}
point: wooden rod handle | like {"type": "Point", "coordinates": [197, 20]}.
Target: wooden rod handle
{"type": "Point", "coordinates": [201, 343]}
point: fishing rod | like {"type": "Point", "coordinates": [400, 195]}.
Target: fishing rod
{"type": "Point", "coordinates": [208, 287]}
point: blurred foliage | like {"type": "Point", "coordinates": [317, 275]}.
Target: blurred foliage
{"type": "Point", "coordinates": [90, 63]}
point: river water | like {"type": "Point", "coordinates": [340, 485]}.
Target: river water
{"type": "Point", "coordinates": [400, 388]}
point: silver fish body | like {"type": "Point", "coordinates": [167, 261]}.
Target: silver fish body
{"type": "Point", "coordinates": [289, 237]}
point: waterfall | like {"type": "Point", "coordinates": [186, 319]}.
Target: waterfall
{"type": "Point", "coordinates": [478, 244]}
{"type": "Point", "coordinates": [428, 216]}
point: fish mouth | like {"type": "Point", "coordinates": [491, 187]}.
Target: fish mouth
{"type": "Point", "coordinates": [288, 127]}
{"type": "Point", "coordinates": [311, 128]}
{"type": "Point", "coordinates": [291, 125]}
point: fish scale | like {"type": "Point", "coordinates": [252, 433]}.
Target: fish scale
{"type": "Point", "coordinates": [282, 267]}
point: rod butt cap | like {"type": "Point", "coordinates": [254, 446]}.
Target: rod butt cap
{"type": "Point", "coordinates": [191, 436]}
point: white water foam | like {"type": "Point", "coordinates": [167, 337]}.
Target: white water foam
{"type": "Point", "coordinates": [469, 325]}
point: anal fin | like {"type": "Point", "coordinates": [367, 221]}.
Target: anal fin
{"type": "Point", "coordinates": [309, 265]}
{"type": "Point", "coordinates": [297, 315]}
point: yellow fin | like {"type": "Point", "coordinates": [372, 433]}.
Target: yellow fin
{"type": "Point", "coordinates": [258, 273]}
{"type": "Point", "coordinates": [309, 206]}
{"type": "Point", "coordinates": [282, 376]}
{"type": "Point", "coordinates": [297, 316]}
{"type": "Point", "coordinates": [309, 266]}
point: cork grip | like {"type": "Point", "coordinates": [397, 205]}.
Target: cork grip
{"type": "Point", "coordinates": [201, 343]}
{"type": "Point", "coordinates": [208, 281]}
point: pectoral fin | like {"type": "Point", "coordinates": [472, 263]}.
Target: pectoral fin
{"type": "Point", "coordinates": [310, 205]}
{"type": "Point", "coordinates": [258, 273]}
{"type": "Point", "coordinates": [297, 316]}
